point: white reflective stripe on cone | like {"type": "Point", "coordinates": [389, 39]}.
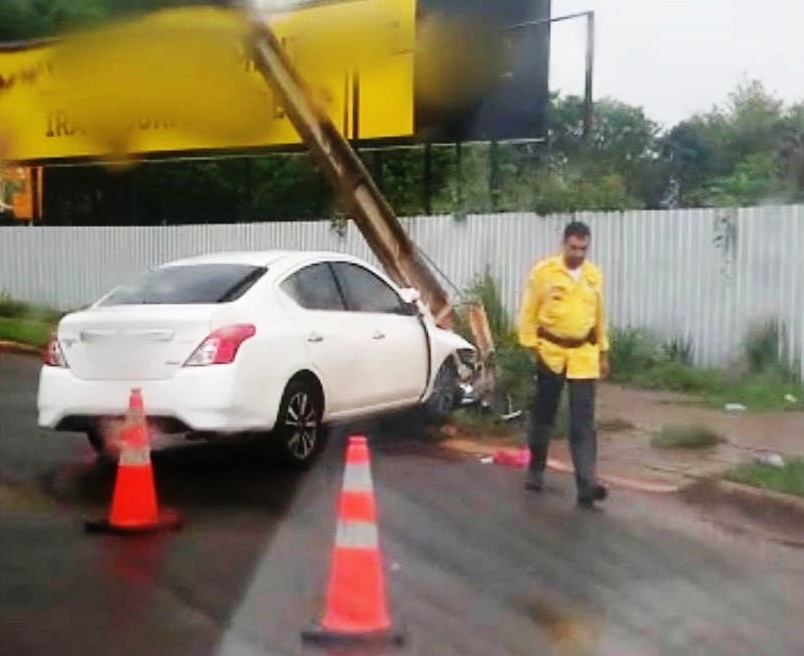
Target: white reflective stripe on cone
{"type": "Point", "coordinates": [357, 535]}
{"type": "Point", "coordinates": [357, 478]}
{"type": "Point", "coordinates": [135, 456]}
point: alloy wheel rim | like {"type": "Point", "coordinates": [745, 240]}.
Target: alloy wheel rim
{"type": "Point", "coordinates": [302, 423]}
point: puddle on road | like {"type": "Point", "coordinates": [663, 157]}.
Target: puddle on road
{"type": "Point", "coordinates": [569, 634]}
{"type": "Point", "coordinates": [17, 500]}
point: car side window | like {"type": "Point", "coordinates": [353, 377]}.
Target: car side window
{"type": "Point", "coordinates": [365, 292]}
{"type": "Point", "coordinates": [314, 288]}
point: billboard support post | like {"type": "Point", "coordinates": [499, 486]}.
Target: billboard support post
{"type": "Point", "coordinates": [588, 108]}
{"type": "Point", "coordinates": [590, 63]}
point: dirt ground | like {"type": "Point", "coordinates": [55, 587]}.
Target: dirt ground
{"type": "Point", "coordinates": [745, 433]}
{"type": "Point", "coordinates": [629, 417]}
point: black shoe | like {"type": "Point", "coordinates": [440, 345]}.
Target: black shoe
{"type": "Point", "coordinates": [598, 493]}
{"type": "Point", "coordinates": [534, 481]}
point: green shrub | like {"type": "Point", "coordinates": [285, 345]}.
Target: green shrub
{"type": "Point", "coordinates": [630, 351]}
{"type": "Point", "coordinates": [678, 349]}
{"type": "Point", "coordinates": [12, 308]}
{"type": "Point", "coordinates": [24, 331]}
{"type": "Point", "coordinates": [766, 350]}
{"type": "Point", "coordinates": [515, 373]}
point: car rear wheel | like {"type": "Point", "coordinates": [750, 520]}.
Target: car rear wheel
{"type": "Point", "coordinates": [96, 441]}
{"type": "Point", "coordinates": [105, 452]}
{"type": "Point", "coordinates": [299, 436]}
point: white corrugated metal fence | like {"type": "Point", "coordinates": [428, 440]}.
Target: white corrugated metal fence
{"type": "Point", "coordinates": [703, 274]}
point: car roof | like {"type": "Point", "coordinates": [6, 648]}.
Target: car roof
{"type": "Point", "coordinates": [260, 258]}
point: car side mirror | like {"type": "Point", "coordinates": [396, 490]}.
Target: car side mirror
{"type": "Point", "coordinates": [410, 295]}
{"type": "Point", "coordinates": [410, 299]}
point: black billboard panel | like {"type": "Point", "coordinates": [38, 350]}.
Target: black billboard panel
{"type": "Point", "coordinates": [481, 74]}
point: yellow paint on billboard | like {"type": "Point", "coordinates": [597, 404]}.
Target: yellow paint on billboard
{"type": "Point", "coordinates": [179, 80]}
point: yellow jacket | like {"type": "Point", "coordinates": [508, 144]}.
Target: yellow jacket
{"type": "Point", "coordinates": [556, 302]}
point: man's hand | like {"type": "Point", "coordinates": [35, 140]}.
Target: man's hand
{"type": "Point", "coordinates": [604, 364]}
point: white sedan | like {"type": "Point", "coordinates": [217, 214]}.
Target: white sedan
{"type": "Point", "coordinates": [277, 344]}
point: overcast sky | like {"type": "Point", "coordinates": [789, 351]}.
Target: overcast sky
{"type": "Point", "coordinates": [676, 57]}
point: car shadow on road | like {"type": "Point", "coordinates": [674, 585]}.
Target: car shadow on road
{"type": "Point", "coordinates": [404, 433]}
{"type": "Point", "coordinates": [204, 476]}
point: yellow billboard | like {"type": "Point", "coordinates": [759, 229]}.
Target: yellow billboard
{"type": "Point", "coordinates": [179, 80]}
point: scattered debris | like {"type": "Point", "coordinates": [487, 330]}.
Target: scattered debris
{"type": "Point", "coordinates": [770, 459]}
{"type": "Point", "coordinates": [790, 398]}
{"type": "Point", "coordinates": [734, 407]}
{"type": "Point", "coordinates": [449, 430]}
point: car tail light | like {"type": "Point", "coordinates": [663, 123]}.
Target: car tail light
{"type": "Point", "coordinates": [53, 356]}
{"type": "Point", "coordinates": [221, 346]}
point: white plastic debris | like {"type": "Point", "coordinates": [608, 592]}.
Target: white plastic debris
{"type": "Point", "coordinates": [770, 459]}
{"type": "Point", "coordinates": [487, 460]}
{"type": "Point", "coordinates": [395, 567]}
{"type": "Point", "coordinates": [734, 407]}
{"type": "Point", "coordinates": [790, 398]}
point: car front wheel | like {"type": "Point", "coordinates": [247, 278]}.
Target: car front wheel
{"type": "Point", "coordinates": [299, 436]}
{"type": "Point", "coordinates": [446, 394]}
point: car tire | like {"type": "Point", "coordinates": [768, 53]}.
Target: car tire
{"type": "Point", "coordinates": [104, 455]}
{"type": "Point", "coordinates": [299, 436]}
{"type": "Point", "coordinates": [96, 441]}
{"type": "Point", "coordinates": [446, 394]}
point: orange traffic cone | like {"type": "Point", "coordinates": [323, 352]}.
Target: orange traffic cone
{"type": "Point", "coordinates": [134, 506]}
{"type": "Point", "coordinates": [356, 609]}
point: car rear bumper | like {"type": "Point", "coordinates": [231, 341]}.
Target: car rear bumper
{"type": "Point", "coordinates": [210, 399]}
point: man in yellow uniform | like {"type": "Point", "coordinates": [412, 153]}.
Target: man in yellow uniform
{"type": "Point", "coordinates": [562, 323]}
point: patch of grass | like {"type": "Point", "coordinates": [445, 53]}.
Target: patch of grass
{"type": "Point", "coordinates": [25, 331]}
{"type": "Point", "coordinates": [640, 360]}
{"type": "Point", "coordinates": [685, 436]}
{"type": "Point", "coordinates": [788, 479]}
{"type": "Point", "coordinates": [678, 377]}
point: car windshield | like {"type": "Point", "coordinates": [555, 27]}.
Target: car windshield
{"type": "Point", "coordinates": [187, 285]}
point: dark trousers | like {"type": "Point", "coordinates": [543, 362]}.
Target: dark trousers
{"type": "Point", "coordinates": [583, 436]}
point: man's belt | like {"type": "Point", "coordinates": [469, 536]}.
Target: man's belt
{"type": "Point", "coordinates": [567, 342]}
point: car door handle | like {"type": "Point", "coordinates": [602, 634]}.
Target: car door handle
{"type": "Point", "coordinates": [378, 334]}
{"type": "Point", "coordinates": [315, 337]}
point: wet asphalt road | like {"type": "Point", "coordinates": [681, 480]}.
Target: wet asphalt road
{"type": "Point", "coordinates": [474, 565]}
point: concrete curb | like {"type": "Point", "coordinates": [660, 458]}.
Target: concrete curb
{"type": "Point", "coordinates": [469, 447]}
{"type": "Point", "coordinates": [736, 491]}
{"type": "Point", "coordinates": [19, 349]}
{"type": "Point", "coordinates": [749, 493]}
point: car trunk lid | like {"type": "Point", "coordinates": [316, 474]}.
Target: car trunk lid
{"type": "Point", "coordinates": [130, 342]}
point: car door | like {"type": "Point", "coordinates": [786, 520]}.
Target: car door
{"type": "Point", "coordinates": [394, 341]}
{"type": "Point", "coordinates": [317, 307]}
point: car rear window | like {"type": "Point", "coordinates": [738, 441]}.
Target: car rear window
{"type": "Point", "coordinates": [188, 285]}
